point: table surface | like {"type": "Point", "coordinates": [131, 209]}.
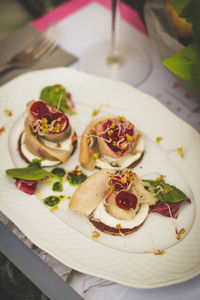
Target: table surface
{"type": "Point", "coordinates": [87, 17]}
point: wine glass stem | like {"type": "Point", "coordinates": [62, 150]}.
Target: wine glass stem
{"type": "Point", "coordinates": [115, 58]}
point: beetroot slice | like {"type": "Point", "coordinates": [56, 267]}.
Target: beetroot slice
{"type": "Point", "coordinates": [126, 200]}
{"type": "Point", "coordinates": [41, 110]}
{"type": "Point", "coordinates": [116, 133]}
{"type": "Point", "coordinates": [26, 186]}
{"type": "Point", "coordinates": [164, 208]}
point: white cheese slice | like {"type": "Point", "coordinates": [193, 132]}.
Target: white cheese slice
{"type": "Point", "coordinates": [64, 145]}
{"type": "Point", "coordinates": [103, 216]}
{"type": "Point", "coordinates": [122, 162]}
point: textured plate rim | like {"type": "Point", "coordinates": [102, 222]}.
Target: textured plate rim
{"type": "Point", "coordinates": [38, 238]}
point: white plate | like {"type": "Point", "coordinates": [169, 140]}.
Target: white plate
{"type": "Point", "coordinates": [69, 238]}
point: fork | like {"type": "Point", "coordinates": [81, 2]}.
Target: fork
{"type": "Point", "coordinates": [40, 48]}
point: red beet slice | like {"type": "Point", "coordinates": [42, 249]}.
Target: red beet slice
{"type": "Point", "coordinates": [126, 200]}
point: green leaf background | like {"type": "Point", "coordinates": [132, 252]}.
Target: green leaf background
{"type": "Point", "coordinates": [186, 62]}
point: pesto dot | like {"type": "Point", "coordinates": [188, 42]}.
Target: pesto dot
{"type": "Point", "coordinates": [51, 200]}
{"type": "Point", "coordinates": [60, 172]}
{"type": "Point", "coordinates": [76, 177]}
{"type": "Point", "coordinates": [57, 186]}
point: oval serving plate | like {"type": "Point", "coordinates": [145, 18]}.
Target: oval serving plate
{"type": "Point", "coordinates": [67, 236]}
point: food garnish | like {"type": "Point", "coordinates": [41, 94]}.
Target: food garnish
{"type": "Point", "coordinates": [159, 139]}
{"type": "Point", "coordinates": [27, 178]}
{"type": "Point", "coordinates": [45, 121]}
{"type": "Point", "coordinates": [2, 129]}
{"type": "Point", "coordinates": [164, 192]}
{"type": "Point", "coordinates": [33, 171]}
{"type": "Point", "coordinates": [8, 112]}
{"type": "Point", "coordinates": [180, 151]}
{"type": "Point", "coordinates": [57, 186]}
{"type": "Point", "coordinates": [54, 208]}
{"type": "Point", "coordinates": [76, 177]}
{"type": "Point", "coordinates": [97, 111]}
{"type": "Point", "coordinates": [95, 155]}
{"type": "Point", "coordinates": [58, 96]}
{"type": "Point", "coordinates": [58, 171]}
{"type": "Point", "coordinates": [126, 200]}
{"type": "Point", "coordinates": [95, 234]}
{"type": "Point", "coordinates": [159, 252]}
{"type": "Point", "coordinates": [52, 200]}
{"type": "Point", "coordinates": [180, 233]}
{"type": "Point", "coordinates": [161, 178]}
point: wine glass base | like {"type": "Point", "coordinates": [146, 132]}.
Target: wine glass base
{"type": "Point", "coordinates": [133, 67]}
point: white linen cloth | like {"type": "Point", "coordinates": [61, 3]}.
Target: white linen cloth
{"type": "Point", "coordinates": [92, 288]}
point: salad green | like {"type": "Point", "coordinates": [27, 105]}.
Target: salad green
{"type": "Point", "coordinates": [163, 191]}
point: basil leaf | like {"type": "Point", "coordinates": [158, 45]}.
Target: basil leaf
{"type": "Point", "coordinates": [36, 163]}
{"type": "Point", "coordinates": [29, 173]}
{"type": "Point", "coordinates": [55, 94]}
{"type": "Point", "coordinates": [164, 192]}
{"type": "Point", "coordinates": [186, 64]}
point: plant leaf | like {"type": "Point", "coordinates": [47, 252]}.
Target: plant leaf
{"type": "Point", "coordinates": [173, 194]}
{"type": "Point", "coordinates": [189, 10]}
{"type": "Point", "coordinates": [186, 63]}
{"type": "Point", "coordinates": [55, 94]}
{"type": "Point", "coordinates": [36, 163]}
{"type": "Point", "coordinates": [30, 173]}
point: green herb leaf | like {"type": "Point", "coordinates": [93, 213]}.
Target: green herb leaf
{"type": "Point", "coordinates": [163, 191]}
{"type": "Point", "coordinates": [30, 173]}
{"type": "Point", "coordinates": [36, 163]}
{"type": "Point", "coordinates": [70, 111]}
{"type": "Point", "coordinates": [54, 95]}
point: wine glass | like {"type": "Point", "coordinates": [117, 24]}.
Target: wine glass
{"type": "Point", "coordinates": [117, 60]}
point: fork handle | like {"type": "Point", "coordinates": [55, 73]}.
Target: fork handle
{"type": "Point", "coordinates": [5, 67]}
